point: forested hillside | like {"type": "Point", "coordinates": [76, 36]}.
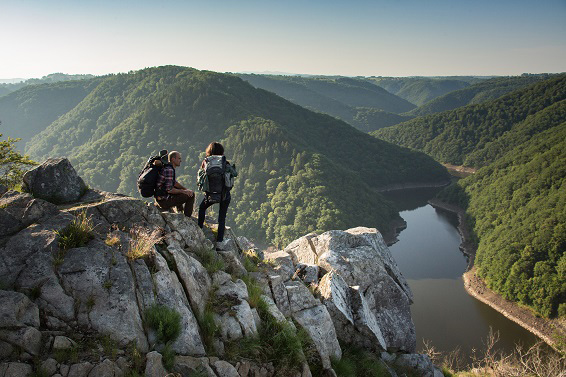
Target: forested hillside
{"type": "Point", "coordinates": [299, 171]}
{"type": "Point", "coordinates": [420, 90]}
{"type": "Point", "coordinates": [482, 91]}
{"type": "Point", "coordinates": [517, 207]}
{"type": "Point", "coordinates": [365, 106]}
{"type": "Point", "coordinates": [6, 88]}
{"type": "Point", "coordinates": [454, 135]}
{"type": "Point", "coordinates": [30, 110]}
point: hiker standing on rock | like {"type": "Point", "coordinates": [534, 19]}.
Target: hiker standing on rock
{"type": "Point", "coordinates": [216, 178]}
{"type": "Point", "coordinates": [170, 193]}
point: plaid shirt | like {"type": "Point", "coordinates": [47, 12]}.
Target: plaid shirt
{"type": "Point", "coordinates": [166, 178]}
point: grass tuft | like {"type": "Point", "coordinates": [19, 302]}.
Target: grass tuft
{"type": "Point", "coordinates": [210, 259]}
{"type": "Point", "coordinates": [358, 362]}
{"type": "Point", "coordinates": [165, 321]}
{"type": "Point", "coordinates": [168, 357]}
{"type": "Point", "coordinates": [142, 242]}
{"type": "Point", "coordinates": [77, 233]}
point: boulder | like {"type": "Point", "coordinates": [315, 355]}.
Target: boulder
{"type": "Point", "coordinates": [224, 369]}
{"type": "Point", "coordinates": [308, 273]}
{"type": "Point", "coordinates": [17, 310]}
{"type": "Point", "coordinates": [282, 264]}
{"type": "Point", "coordinates": [379, 303]}
{"type": "Point", "coordinates": [55, 181]}
{"type": "Point", "coordinates": [188, 366]}
{"type": "Point", "coordinates": [154, 365]}
{"type": "Point", "coordinates": [15, 369]}
{"type": "Point", "coordinates": [49, 366]}
{"type": "Point", "coordinates": [63, 343]}
{"type": "Point", "coordinates": [415, 364]}
{"type": "Point", "coordinates": [83, 370]}
{"type": "Point", "coordinates": [107, 368]}
{"type": "Point", "coordinates": [27, 338]}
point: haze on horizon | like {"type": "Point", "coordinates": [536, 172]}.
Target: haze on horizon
{"type": "Point", "coordinates": [335, 37]}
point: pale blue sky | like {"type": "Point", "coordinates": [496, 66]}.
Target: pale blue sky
{"type": "Point", "coordinates": [387, 38]}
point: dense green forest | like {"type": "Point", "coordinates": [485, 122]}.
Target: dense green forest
{"type": "Point", "coordinates": [516, 202]}
{"type": "Point", "coordinates": [30, 110]}
{"type": "Point", "coordinates": [6, 88]}
{"type": "Point", "coordinates": [420, 90]}
{"type": "Point", "coordinates": [482, 91]}
{"type": "Point", "coordinates": [517, 207]}
{"type": "Point", "coordinates": [363, 105]}
{"type": "Point", "coordinates": [452, 136]}
{"type": "Point", "coordinates": [300, 171]}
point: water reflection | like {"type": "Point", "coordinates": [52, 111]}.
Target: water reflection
{"type": "Point", "coordinates": [428, 255]}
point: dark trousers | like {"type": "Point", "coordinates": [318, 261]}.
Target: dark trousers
{"type": "Point", "coordinates": [221, 214]}
{"type": "Point", "coordinates": [183, 202]}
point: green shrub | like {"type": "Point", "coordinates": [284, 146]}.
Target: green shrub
{"type": "Point", "coordinates": [165, 321]}
{"type": "Point", "coordinates": [77, 233]}
{"type": "Point", "coordinates": [277, 342]}
{"type": "Point", "coordinates": [168, 357]}
{"type": "Point", "coordinates": [254, 291]}
{"type": "Point", "coordinates": [208, 326]}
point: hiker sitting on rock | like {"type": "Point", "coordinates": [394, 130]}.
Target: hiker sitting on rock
{"type": "Point", "coordinates": [216, 178]}
{"type": "Point", "coordinates": [169, 192]}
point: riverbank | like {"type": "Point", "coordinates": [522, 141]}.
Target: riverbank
{"type": "Point", "coordinates": [551, 331]}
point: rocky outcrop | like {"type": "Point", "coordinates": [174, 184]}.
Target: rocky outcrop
{"type": "Point", "coordinates": [61, 298]}
{"type": "Point", "coordinates": [364, 290]}
{"type": "Point", "coordinates": [55, 181]}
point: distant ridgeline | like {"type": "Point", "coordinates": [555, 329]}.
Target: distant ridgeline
{"type": "Point", "coordinates": [357, 101]}
{"type": "Point", "coordinates": [516, 203]}
{"type": "Point", "coordinates": [299, 171]}
{"type": "Point", "coordinates": [6, 88]}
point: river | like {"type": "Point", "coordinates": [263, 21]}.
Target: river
{"type": "Point", "coordinates": [428, 255]}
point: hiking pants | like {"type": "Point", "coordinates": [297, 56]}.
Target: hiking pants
{"type": "Point", "coordinates": [221, 214]}
{"type": "Point", "coordinates": [183, 202]}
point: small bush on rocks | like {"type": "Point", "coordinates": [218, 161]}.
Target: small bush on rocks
{"type": "Point", "coordinates": [165, 321]}
{"type": "Point", "coordinates": [142, 242]}
{"type": "Point", "coordinates": [77, 233]}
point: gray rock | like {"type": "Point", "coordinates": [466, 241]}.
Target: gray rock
{"type": "Point", "coordinates": [123, 212]}
{"type": "Point", "coordinates": [27, 338]}
{"type": "Point", "coordinates": [279, 293]}
{"type": "Point", "coordinates": [283, 264]}
{"type": "Point", "coordinates": [17, 310]}
{"type": "Point", "coordinates": [38, 238]}
{"type": "Point", "coordinates": [302, 250]}
{"type": "Point", "coordinates": [8, 223]}
{"type": "Point", "coordinates": [312, 316]}
{"type": "Point", "coordinates": [6, 350]}
{"type": "Point", "coordinates": [55, 181]}
{"type": "Point", "coordinates": [15, 370]}
{"type": "Point", "coordinates": [300, 297]}
{"type": "Point", "coordinates": [63, 343]}
{"type": "Point", "coordinates": [308, 273]}
{"type": "Point", "coordinates": [224, 369]}
{"type": "Point", "coordinates": [193, 276]}
{"type": "Point", "coordinates": [237, 319]}
{"type": "Point", "coordinates": [273, 309]}
{"type": "Point", "coordinates": [102, 285]}
{"type": "Point", "coordinates": [49, 366]}
{"type": "Point", "coordinates": [233, 262]}
{"type": "Point", "coordinates": [415, 364]}
{"type": "Point", "coordinates": [64, 369]}
{"type": "Point", "coordinates": [191, 234]}
{"type": "Point", "coordinates": [188, 366]}
{"type": "Point", "coordinates": [3, 189]}
{"type": "Point", "coordinates": [170, 293]}
{"type": "Point", "coordinates": [154, 365]}
{"type": "Point", "coordinates": [380, 304]}
{"type": "Point", "coordinates": [144, 284]}
{"type": "Point", "coordinates": [107, 368]}
{"type": "Point", "coordinates": [82, 370]}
